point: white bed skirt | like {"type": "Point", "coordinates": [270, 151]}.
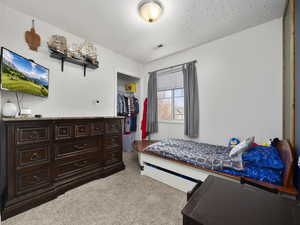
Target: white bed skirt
{"type": "Point", "coordinates": [170, 179]}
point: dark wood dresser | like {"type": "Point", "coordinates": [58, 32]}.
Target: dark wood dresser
{"type": "Point", "coordinates": [45, 157]}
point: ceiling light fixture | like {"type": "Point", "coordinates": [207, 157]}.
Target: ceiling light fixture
{"type": "Point", "coordinates": [150, 11]}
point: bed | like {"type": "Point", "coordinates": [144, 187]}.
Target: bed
{"type": "Point", "coordinates": [184, 174]}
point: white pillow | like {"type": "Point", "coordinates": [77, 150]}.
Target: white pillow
{"type": "Point", "coordinates": [242, 147]}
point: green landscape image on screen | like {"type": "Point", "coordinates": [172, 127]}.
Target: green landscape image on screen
{"type": "Point", "coordinates": [20, 74]}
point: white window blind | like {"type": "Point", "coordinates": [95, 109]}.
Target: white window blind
{"type": "Point", "coordinates": [168, 80]}
{"type": "Point", "coordinates": [170, 95]}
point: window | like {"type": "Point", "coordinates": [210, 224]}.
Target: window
{"type": "Point", "coordinates": [170, 95]}
{"type": "Point", "coordinates": [171, 104]}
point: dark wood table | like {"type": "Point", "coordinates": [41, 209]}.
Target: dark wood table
{"type": "Point", "coordinates": [222, 202]}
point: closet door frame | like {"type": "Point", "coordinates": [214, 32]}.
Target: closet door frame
{"type": "Point", "coordinates": [128, 73]}
{"type": "Point", "coordinates": [289, 69]}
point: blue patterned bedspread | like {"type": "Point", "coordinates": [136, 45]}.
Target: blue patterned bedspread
{"type": "Point", "coordinates": [217, 158]}
{"type": "Point", "coordinates": [207, 156]}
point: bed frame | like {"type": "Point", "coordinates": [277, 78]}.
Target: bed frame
{"type": "Point", "coordinates": [184, 176]}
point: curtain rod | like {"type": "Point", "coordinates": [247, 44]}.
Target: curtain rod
{"type": "Point", "coordinates": [170, 67]}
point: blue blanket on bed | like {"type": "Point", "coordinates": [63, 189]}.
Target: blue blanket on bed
{"type": "Point", "coordinates": [260, 162]}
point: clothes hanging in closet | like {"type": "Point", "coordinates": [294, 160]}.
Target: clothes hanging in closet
{"type": "Point", "coordinates": [127, 126]}
{"type": "Point", "coordinates": [128, 106]}
{"type": "Point", "coordinates": [122, 101]}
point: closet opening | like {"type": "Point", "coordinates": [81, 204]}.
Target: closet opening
{"type": "Point", "coordinates": [128, 104]}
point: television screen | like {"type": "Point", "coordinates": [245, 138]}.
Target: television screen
{"type": "Point", "coordinates": [22, 75]}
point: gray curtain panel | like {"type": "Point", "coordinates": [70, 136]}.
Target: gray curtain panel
{"type": "Point", "coordinates": [191, 100]}
{"type": "Point", "coordinates": [152, 116]}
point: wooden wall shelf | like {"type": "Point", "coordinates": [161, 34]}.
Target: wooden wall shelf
{"type": "Point", "coordinates": [80, 62]}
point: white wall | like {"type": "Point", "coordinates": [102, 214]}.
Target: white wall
{"type": "Point", "coordinates": [240, 85]}
{"type": "Point", "coordinates": [240, 80]}
{"type": "Point", "coordinates": [70, 94]}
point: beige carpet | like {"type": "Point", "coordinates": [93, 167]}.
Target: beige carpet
{"type": "Point", "coordinates": [125, 198]}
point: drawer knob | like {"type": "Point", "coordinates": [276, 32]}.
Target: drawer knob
{"type": "Point", "coordinates": [82, 129]}
{"type": "Point", "coordinates": [33, 135]}
{"type": "Point", "coordinates": [36, 178]}
{"type": "Point", "coordinates": [80, 147]}
{"type": "Point", "coordinates": [34, 156]}
{"type": "Point", "coordinates": [81, 164]}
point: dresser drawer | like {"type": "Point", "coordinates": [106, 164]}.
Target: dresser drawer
{"type": "Point", "coordinates": [82, 129]}
{"type": "Point", "coordinates": [30, 135]}
{"type": "Point", "coordinates": [97, 128]}
{"type": "Point", "coordinates": [66, 149]}
{"type": "Point", "coordinates": [32, 155]}
{"type": "Point", "coordinates": [64, 131]}
{"type": "Point", "coordinates": [85, 162]}
{"type": "Point", "coordinates": [32, 180]}
{"type": "Point", "coordinates": [113, 156]}
{"type": "Point", "coordinates": [111, 141]}
{"type": "Point", "coordinates": [113, 127]}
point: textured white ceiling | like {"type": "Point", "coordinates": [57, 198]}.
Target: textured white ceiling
{"type": "Point", "coordinates": [115, 24]}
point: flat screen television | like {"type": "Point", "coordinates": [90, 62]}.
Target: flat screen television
{"type": "Point", "coordinates": [23, 75]}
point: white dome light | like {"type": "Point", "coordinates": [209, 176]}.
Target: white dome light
{"type": "Point", "coordinates": [150, 11]}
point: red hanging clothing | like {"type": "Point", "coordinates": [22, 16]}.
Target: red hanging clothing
{"type": "Point", "coordinates": [144, 120]}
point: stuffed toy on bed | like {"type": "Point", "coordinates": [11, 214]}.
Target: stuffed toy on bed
{"type": "Point", "coordinates": [233, 142]}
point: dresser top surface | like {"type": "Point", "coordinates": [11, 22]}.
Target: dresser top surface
{"type": "Point", "coordinates": [4, 119]}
